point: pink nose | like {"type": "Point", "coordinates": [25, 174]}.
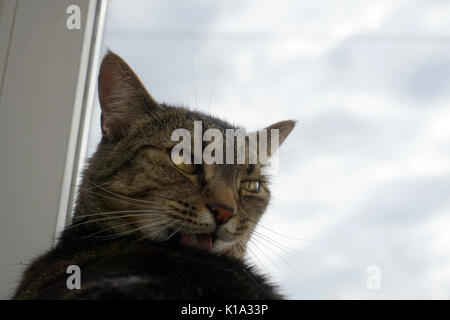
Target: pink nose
{"type": "Point", "coordinates": [221, 212]}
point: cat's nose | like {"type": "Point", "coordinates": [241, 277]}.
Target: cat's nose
{"type": "Point", "coordinates": [222, 213]}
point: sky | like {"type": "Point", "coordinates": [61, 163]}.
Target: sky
{"type": "Point", "coordinates": [364, 179]}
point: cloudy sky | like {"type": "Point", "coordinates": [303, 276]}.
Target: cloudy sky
{"type": "Point", "coordinates": [365, 176]}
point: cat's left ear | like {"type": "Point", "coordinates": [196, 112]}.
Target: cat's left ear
{"type": "Point", "coordinates": [122, 96]}
{"type": "Point", "coordinates": [284, 129]}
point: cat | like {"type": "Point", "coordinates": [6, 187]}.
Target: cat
{"type": "Point", "coordinates": [145, 227]}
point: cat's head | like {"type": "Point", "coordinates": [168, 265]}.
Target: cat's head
{"type": "Point", "coordinates": [134, 188]}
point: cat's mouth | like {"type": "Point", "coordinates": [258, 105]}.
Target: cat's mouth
{"type": "Point", "coordinates": [203, 241]}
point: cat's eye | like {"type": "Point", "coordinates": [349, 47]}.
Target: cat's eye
{"type": "Point", "coordinates": [251, 186]}
{"type": "Point", "coordinates": [182, 165]}
{"type": "Point", "coordinates": [187, 168]}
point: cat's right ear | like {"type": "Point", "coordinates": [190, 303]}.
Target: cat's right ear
{"type": "Point", "coordinates": [122, 96]}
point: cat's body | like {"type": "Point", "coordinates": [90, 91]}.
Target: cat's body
{"type": "Point", "coordinates": [120, 269]}
{"type": "Point", "coordinates": [148, 227]}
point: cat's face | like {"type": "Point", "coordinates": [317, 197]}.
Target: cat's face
{"type": "Point", "coordinates": [214, 207]}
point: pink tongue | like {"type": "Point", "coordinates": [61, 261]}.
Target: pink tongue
{"type": "Point", "coordinates": [201, 240]}
{"type": "Point", "coordinates": [205, 241]}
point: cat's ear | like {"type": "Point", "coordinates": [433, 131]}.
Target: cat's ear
{"type": "Point", "coordinates": [284, 129]}
{"type": "Point", "coordinates": [122, 96]}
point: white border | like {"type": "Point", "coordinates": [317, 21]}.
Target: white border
{"type": "Point", "coordinates": [82, 110]}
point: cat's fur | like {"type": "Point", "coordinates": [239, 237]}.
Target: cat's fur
{"type": "Point", "coordinates": [135, 207]}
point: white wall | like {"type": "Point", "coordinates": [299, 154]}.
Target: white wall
{"type": "Point", "coordinates": [44, 68]}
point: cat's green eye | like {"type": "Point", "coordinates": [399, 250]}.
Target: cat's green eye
{"type": "Point", "coordinates": [185, 167]}
{"type": "Point", "coordinates": [251, 186]}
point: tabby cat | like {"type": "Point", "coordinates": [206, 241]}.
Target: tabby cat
{"type": "Point", "coordinates": [145, 227]}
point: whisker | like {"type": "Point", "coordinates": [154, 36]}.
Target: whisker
{"type": "Point", "coordinates": [160, 229]}
{"type": "Point", "coordinates": [107, 229]}
{"type": "Point", "coordinates": [121, 233]}
{"type": "Point", "coordinates": [283, 247]}
{"type": "Point", "coordinates": [262, 251]}
{"type": "Point", "coordinates": [119, 200]}
{"type": "Point", "coordinates": [258, 223]}
{"type": "Point", "coordinates": [173, 233]}
{"type": "Point", "coordinates": [211, 93]}
{"type": "Point", "coordinates": [251, 277]}
{"type": "Point", "coordinates": [167, 226]}
{"type": "Point", "coordinates": [256, 257]}
{"type": "Point", "coordinates": [123, 211]}
{"type": "Point", "coordinates": [281, 257]}
{"type": "Point", "coordinates": [109, 218]}
{"type": "Point", "coordinates": [122, 196]}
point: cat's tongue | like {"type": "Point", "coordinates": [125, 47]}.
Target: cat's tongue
{"type": "Point", "coordinates": [201, 240]}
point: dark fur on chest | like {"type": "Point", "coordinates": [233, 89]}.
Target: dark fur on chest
{"type": "Point", "coordinates": [124, 269]}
